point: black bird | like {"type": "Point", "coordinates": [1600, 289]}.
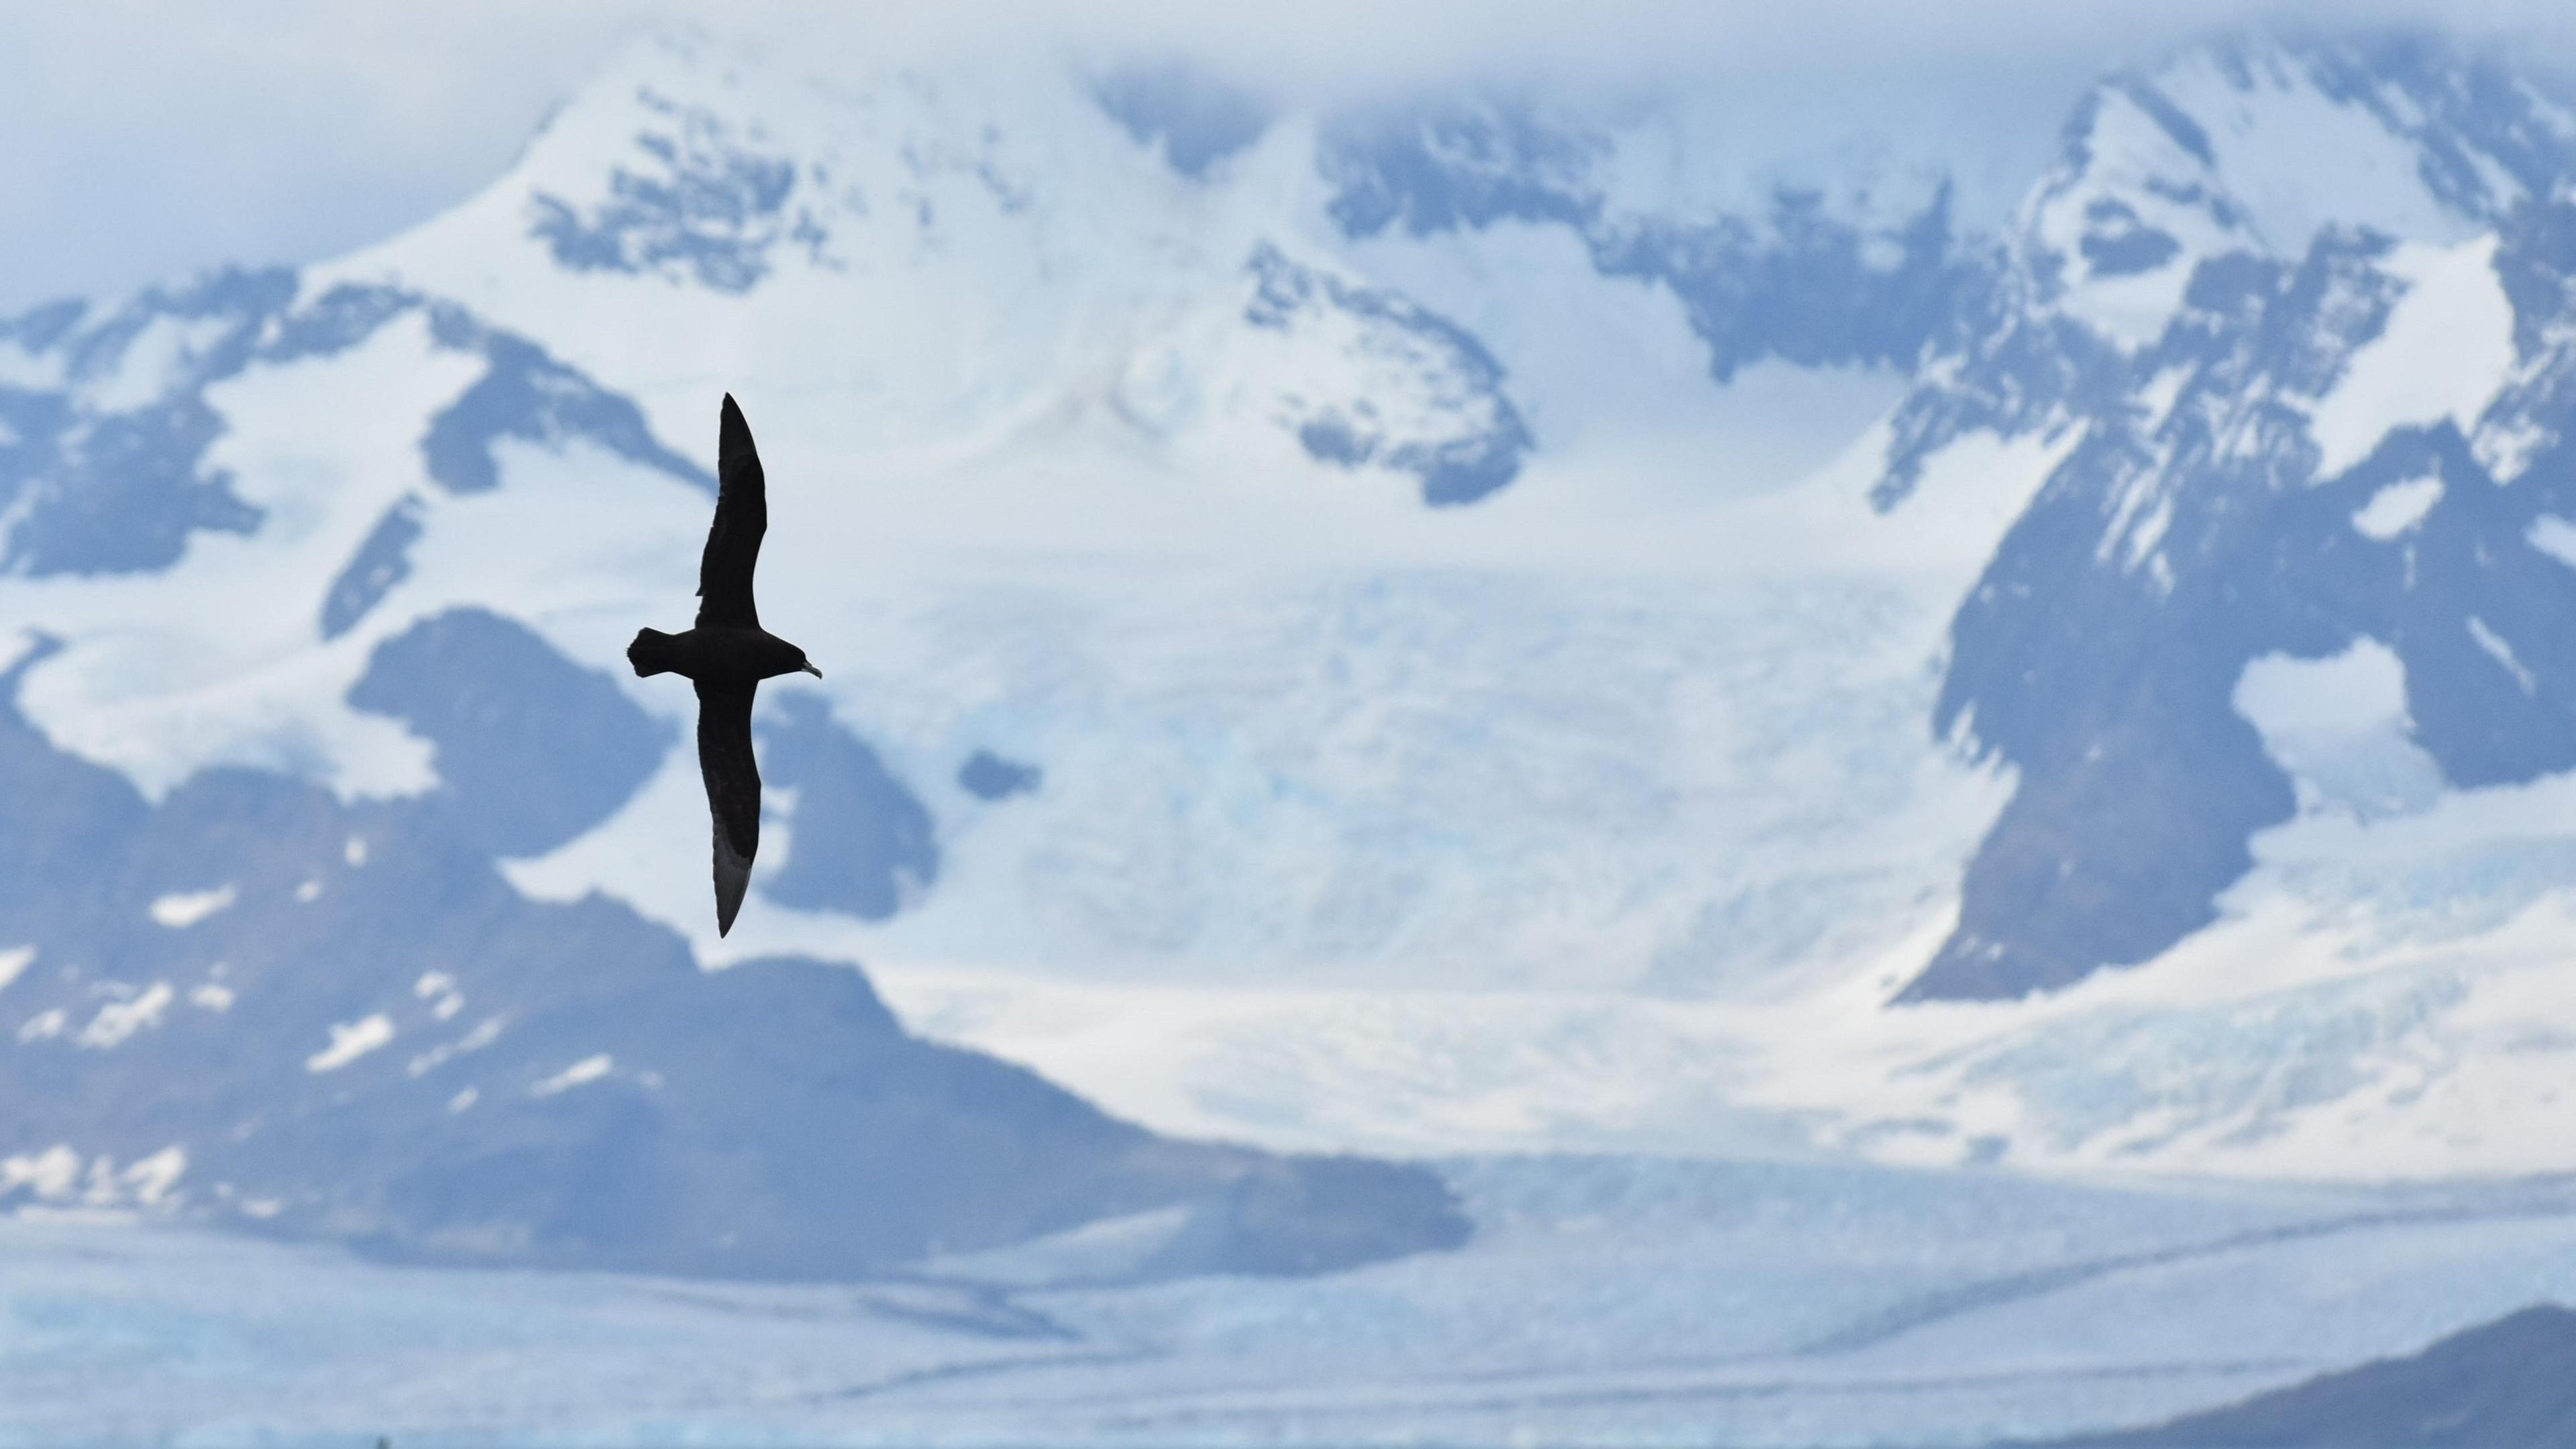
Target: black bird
{"type": "Point", "coordinates": [728, 654]}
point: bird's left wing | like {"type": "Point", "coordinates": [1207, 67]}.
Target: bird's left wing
{"type": "Point", "coordinates": [733, 789]}
{"type": "Point", "coordinates": [742, 517]}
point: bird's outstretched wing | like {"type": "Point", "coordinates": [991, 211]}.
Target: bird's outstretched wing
{"type": "Point", "coordinates": [733, 789]}
{"type": "Point", "coordinates": [742, 516]}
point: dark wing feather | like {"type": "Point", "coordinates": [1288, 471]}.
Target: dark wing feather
{"type": "Point", "coordinates": [733, 789]}
{"type": "Point", "coordinates": [742, 516]}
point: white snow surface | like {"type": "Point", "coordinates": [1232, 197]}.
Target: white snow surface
{"type": "Point", "coordinates": [588, 1069]}
{"type": "Point", "coordinates": [117, 1020]}
{"type": "Point", "coordinates": [182, 909]}
{"type": "Point", "coordinates": [2299, 159]}
{"type": "Point", "coordinates": [149, 363]}
{"type": "Point", "coordinates": [2445, 353]}
{"type": "Point", "coordinates": [350, 1041]}
{"type": "Point", "coordinates": [2339, 727]}
{"type": "Point", "coordinates": [2555, 537]}
{"type": "Point", "coordinates": [159, 686]}
{"type": "Point", "coordinates": [2397, 508]}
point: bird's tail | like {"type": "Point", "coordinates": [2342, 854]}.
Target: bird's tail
{"type": "Point", "coordinates": [652, 652]}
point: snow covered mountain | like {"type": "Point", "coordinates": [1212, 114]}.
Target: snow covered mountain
{"type": "Point", "coordinates": [1490, 621]}
{"type": "Point", "coordinates": [325, 1014]}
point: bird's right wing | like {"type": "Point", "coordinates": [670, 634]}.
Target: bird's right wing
{"type": "Point", "coordinates": [733, 789]}
{"type": "Point", "coordinates": [742, 516]}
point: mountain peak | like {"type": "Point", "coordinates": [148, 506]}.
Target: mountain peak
{"type": "Point", "coordinates": [2259, 142]}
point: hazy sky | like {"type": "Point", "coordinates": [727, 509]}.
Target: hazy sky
{"type": "Point", "coordinates": [149, 137]}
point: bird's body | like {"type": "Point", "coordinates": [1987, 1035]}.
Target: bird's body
{"type": "Point", "coordinates": [715, 655]}
{"type": "Point", "coordinates": [726, 656]}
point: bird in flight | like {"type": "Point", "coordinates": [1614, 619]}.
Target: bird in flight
{"type": "Point", "coordinates": [727, 655]}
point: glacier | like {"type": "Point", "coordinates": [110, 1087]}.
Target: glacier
{"type": "Point", "coordinates": [1603, 1300]}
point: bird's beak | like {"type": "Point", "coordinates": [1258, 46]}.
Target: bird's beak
{"type": "Point", "coordinates": [810, 669]}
